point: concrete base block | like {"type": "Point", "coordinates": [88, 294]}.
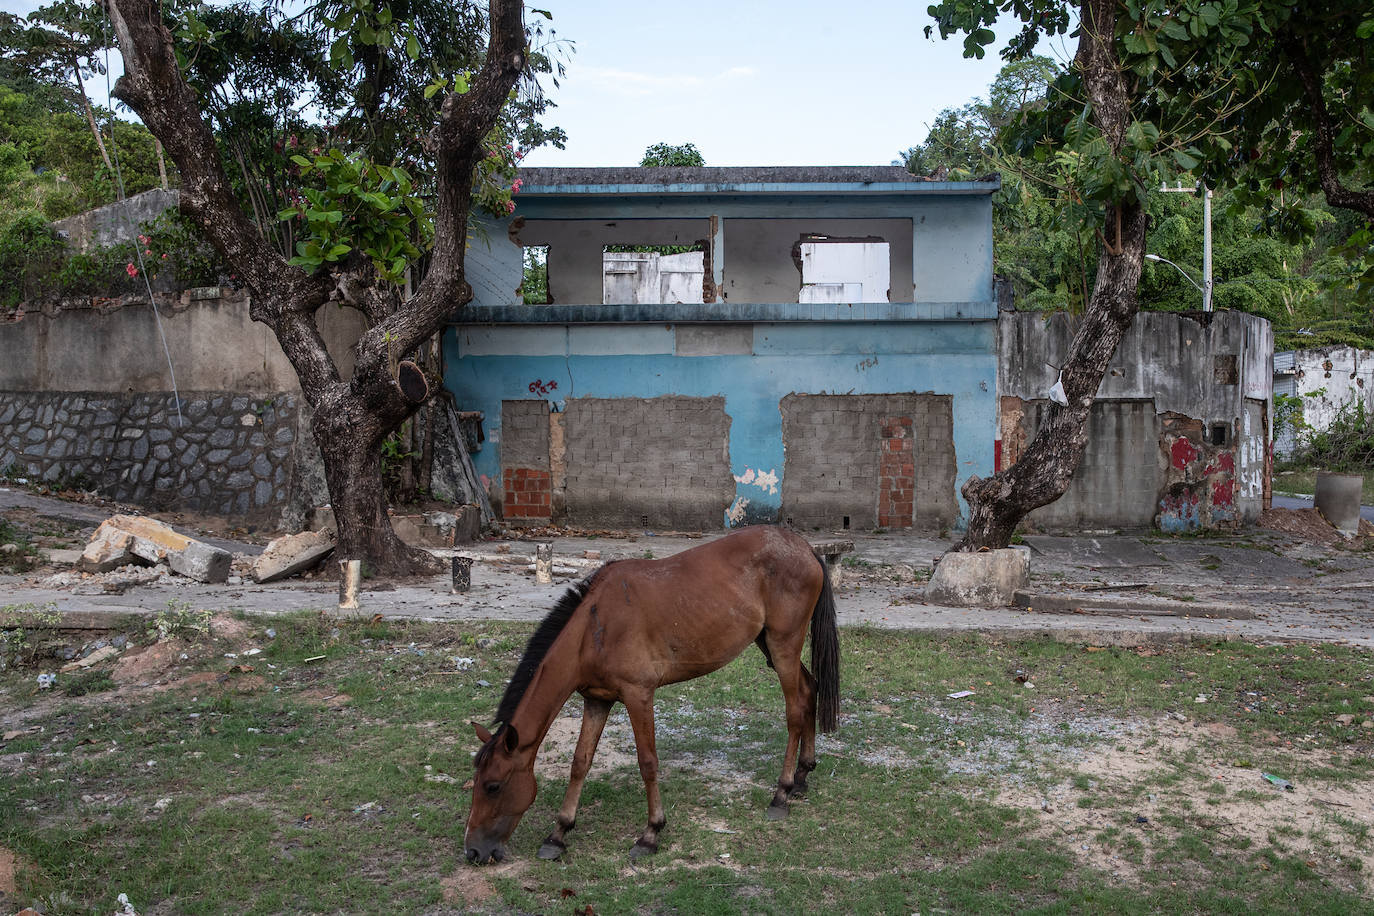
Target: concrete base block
{"type": "Point", "coordinates": [292, 554]}
{"type": "Point", "coordinates": [123, 539]}
{"type": "Point", "coordinates": [987, 579]}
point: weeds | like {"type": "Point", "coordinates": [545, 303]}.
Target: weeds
{"type": "Point", "coordinates": [180, 619]}
{"type": "Point", "coordinates": [17, 621]}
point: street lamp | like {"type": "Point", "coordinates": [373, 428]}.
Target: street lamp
{"type": "Point", "coordinates": [1186, 276]}
{"type": "Point", "coordinates": [1206, 287]}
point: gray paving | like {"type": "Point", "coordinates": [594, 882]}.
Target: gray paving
{"type": "Point", "coordinates": [1154, 589]}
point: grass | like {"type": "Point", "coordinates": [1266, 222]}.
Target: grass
{"type": "Point", "coordinates": [1303, 481]}
{"type": "Point", "coordinates": [323, 786]}
{"type": "Point", "coordinates": [17, 553]}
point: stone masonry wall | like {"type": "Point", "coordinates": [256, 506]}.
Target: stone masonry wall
{"type": "Point", "coordinates": [230, 454]}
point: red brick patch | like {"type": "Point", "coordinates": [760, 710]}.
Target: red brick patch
{"type": "Point", "coordinates": [529, 493]}
{"type": "Point", "coordinates": [896, 474]}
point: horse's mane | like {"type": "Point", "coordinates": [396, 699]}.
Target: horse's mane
{"type": "Point", "coordinates": [540, 643]}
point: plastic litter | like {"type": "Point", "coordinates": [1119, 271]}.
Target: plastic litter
{"type": "Point", "coordinates": [46, 680]}
{"type": "Point", "coordinates": [960, 694]}
{"type": "Point", "coordinates": [1278, 781]}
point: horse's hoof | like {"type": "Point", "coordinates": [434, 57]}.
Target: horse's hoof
{"type": "Point", "coordinates": [551, 852]}
{"type": "Point", "coordinates": [777, 812]}
{"type": "Point", "coordinates": [640, 850]}
{"type": "Point", "coordinates": [797, 792]}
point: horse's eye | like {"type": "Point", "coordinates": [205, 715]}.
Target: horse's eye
{"type": "Point", "coordinates": [493, 788]}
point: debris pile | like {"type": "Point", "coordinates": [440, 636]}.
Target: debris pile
{"type": "Point", "coordinates": [122, 540]}
{"type": "Point", "coordinates": [1311, 525]}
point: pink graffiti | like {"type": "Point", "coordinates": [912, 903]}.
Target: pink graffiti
{"type": "Point", "coordinates": [1224, 493]}
{"type": "Point", "coordinates": [542, 388]}
{"type": "Point", "coordinates": [1182, 453]}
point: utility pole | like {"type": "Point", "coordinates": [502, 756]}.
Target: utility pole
{"type": "Point", "coordinates": [1206, 236]}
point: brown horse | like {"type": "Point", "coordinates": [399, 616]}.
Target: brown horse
{"type": "Point", "coordinates": [635, 625]}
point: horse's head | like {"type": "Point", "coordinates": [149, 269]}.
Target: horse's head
{"type": "Point", "coordinates": [503, 789]}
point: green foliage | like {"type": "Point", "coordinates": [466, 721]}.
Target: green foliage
{"type": "Point", "coordinates": [29, 252]}
{"type": "Point", "coordinates": [16, 624]}
{"type": "Point", "coordinates": [179, 618]}
{"type": "Point", "coordinates": [666, 154]}
{"type": "Point", "coordinates": [1347, 443]}
{"type": "Point", "coordinates": [534, 286]}
{"type": "Point", "coordinates": [358, 205]}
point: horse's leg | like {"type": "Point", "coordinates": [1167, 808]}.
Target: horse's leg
{"type": "Point", "coordinates": [786, 655]}
{"type": "Point", "coordinates": [806, 760]}
{"type": "Point", "coordinates": [640, 705]}
{"type": "Point", "coordinates": [594, 713]}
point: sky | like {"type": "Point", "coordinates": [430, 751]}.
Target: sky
{"type": "Point", "coordinates": [749, 83]}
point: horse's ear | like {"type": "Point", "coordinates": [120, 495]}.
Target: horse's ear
{"type": "Point", "coordinates": [512, 739]}
{"type": "Point", "coordinates": [482, 734]}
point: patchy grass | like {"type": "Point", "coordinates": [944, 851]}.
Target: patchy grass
{"type": "Point", "coordinates": [1110, 781]}
{"type": "Point", "coordinates": [17, 551]}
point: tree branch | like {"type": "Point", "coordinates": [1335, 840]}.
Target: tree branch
{"type": "Point", "coordinates": [1337, 194]}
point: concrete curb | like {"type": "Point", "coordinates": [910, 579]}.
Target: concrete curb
{"type": "Point", "coordinates": [1126, 606]}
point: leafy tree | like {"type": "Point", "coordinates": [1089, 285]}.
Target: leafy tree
{"type": "Point", "coordinates": [1107, 135]}
{"type": "Point", "coordinates": [352, 416]}
{"type": "Point", "coordinates": [661, 154]}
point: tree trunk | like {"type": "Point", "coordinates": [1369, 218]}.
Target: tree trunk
{"type": "Point", "coordinates": [997, 504]}
{"type": "Point", "coordinates": [90, 120]}
{"type": "Point", "coordinates": [351, 417]}
{"type": "Point", "coordinates": [353, 469]}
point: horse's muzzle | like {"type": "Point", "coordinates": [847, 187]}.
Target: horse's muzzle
{"type": "Point", "coordinates": [492, 854]}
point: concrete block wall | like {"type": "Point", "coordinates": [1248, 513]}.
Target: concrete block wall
{"type": "Point", "coordinates": [838, 447]}
{"type": "Point", "coordinates": [526, 483]}
{"type": "Point", "coordinates": [652, 462]}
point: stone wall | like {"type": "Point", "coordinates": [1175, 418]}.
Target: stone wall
{"type": "Point", "coordinates": [227, 454]}
{"type": "Point", "coordinates": [860, 461]}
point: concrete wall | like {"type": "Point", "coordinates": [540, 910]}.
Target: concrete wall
{"type": "Point", "coordinates": [1179, 435]}
{"type": "Point", "coordinates": [214, 345]}
{"type": "Point", "coordinates": [751, 365]}
{"type": "Point", "coordinates": [1327, 379]}
{"type": "Point", "coordinates": [86, 394]}
{"type": "Point", "coordinates": [116, 222]}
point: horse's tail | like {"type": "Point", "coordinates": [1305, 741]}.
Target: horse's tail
{"type": "Point", "coordinates": [825, 656]}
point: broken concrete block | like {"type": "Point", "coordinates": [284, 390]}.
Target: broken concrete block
{"type": "Point", "coordinates": [123, 539]}
{"type": "Point", "coordinates": [987, 579]}
{"type": "Point", "coordinates": [108, 549]}
{"type": "Point", "coordinates": [95, 658]}
{"type": "Point", "coordinates": [292, 554]}
{"type": "Point", "coordinates": [59, 557]}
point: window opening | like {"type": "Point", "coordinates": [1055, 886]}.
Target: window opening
{"type": "Point", "coordinates": [534, 285]}
{"type": "Point", "coordinates": [652, 274]}
{"type": "Point", "coordinates": [1220, 433]}
{"type": "Point", "coordinates": [843, 269]}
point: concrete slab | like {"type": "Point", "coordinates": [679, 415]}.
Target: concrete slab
{"type": "Point", "coordinates": [1114, 552]}
{"type": "Point", "coordinates": [1127, 605]}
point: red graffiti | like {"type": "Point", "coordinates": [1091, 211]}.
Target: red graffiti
{"type": "Point", "coordinates": [1225, 463]}
{"type": "Point", "coordinates": [542, 388]}
{"type": "Point", "coordinates": [1224, 493]}
{"type": "Point", "coordinates": [1182, 453]}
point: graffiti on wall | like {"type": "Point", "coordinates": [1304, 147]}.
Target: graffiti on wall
{"type": "Point", "coordinates": [1201, 484]}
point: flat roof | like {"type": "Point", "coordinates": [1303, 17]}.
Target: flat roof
{"type": "Point", "coordinates": [829, 179]}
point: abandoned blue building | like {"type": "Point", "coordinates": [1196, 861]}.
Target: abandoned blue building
{"type": "Point", "coordinates": [722, 346]}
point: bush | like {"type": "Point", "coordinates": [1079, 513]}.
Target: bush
{"type": "Point", "coordinates": [29, 252]}
{"type": "Point", "coordinates": [1347, 444]}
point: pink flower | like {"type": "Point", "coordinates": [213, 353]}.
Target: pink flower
{"type": "Point", "coordinates": [164, 257]}
{"type": "Point", "coordinates": [510, 206]}
{"type": "Point", "coordinates": [131, 270]}
{"type": "Point", "coordinates": [143, 239]}
{"type": "Point", "coordinates": [515, 188]}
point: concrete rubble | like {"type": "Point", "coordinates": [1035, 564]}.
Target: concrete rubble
{"type": "Point", "coordinates": [295, 553]}
{"type": "Point", "coordinates": [124, 539]}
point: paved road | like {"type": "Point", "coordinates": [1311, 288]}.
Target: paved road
{"type": "Point", "coordinates": [1282, 501]}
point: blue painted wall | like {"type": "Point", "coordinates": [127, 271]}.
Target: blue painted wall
{"type": "Point", "coordinates": [491, 363]}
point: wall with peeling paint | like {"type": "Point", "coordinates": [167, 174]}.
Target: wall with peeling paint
{"type": "Point", "coordinates": [744, 354]}
{"type": "Point", "coordinates": [1178, 437]}
{"type": "Point", "coordinates": [1327, 379]}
